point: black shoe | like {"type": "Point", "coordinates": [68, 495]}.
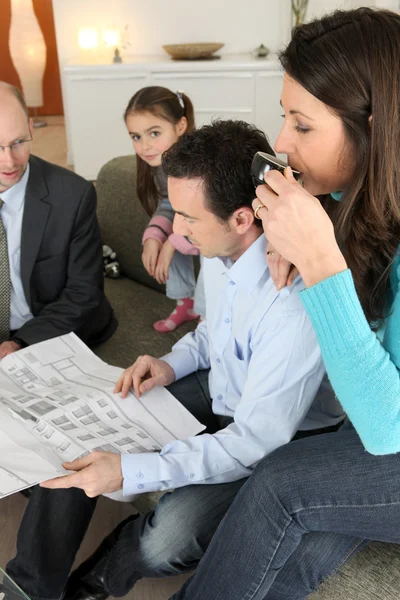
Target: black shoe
{"type": "Point", "coordinates": [87, 582]}
{"type": "Point", "coordinates": [90, 588]}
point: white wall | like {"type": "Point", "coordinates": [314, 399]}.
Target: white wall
{"type": "Point", "coordinates": [152, 23]}
{"type": "Point", "coordinates": [240, 25]}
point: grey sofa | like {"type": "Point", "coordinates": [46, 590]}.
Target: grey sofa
{"type": "Point", "coordinates": [374, 573]}
{"type": "Point", "coordinates": [138, 300]}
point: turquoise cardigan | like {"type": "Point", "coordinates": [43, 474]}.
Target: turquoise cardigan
{"type": "Point", "coordinates": [363, 370]}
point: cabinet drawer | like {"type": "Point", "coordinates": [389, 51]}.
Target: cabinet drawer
{"type": "Point", "coordinates": [207, 90]}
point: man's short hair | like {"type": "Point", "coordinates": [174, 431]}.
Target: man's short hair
{"type": "Point", "coordinates": [220, 155]}
{"type": "Point", "coordinates": [16, 92]}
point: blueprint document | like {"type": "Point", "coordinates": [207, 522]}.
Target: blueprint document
{"type": "Point", "coordinates": [57, 403]}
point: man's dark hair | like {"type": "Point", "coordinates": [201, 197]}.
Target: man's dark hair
{"type": "Point", "coordinates": [220, 155]}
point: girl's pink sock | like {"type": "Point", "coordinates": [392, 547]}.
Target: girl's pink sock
{"type": "Point", "coordinates": [183, 312]}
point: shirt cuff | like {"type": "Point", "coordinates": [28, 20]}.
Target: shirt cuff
{"type": "Point", "coordinates": [182, 362]}
{"type": "Point", "coordinates": [139, 471]}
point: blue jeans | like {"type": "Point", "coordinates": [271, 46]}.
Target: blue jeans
{"type": "Point", "coordinates": [181, 282]}
{"type": "Point", "coordinates": [304, 511]}
{"type": "Point", "coordinates": [199, 295]}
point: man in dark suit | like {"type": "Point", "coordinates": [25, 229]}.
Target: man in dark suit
{"type": "Point", "coordinates": [51, 272]}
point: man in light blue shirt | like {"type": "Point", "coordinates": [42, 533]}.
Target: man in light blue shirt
{"type": "Point", "coordinates": [252, 373]}
{"type": "Point", "coordinates": [265, 370]}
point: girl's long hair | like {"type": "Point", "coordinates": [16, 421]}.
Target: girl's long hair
{"type": "Point", "coordinates": [167, 105]}
{"type": "Point", "coordinates": [350, 60]}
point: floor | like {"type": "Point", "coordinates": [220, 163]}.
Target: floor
{"type": "Point", "coordinates": [50, 144]}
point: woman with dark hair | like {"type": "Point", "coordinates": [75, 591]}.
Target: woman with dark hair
{"type": "Point", "coordinates": [311, 504]}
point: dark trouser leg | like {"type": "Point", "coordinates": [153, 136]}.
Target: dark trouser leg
{"type": "Point", "coordinates": [51, 531]}
{"type": "Point", "coordinates": [55, 521]}
{"type": "Point", "coordinates": [192, 391]}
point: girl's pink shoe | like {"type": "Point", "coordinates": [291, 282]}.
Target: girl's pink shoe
{"type": "Point", "coordinates": [183, 312]}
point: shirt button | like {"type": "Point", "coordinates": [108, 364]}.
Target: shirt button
{"type": "Point", "coordinates": [140, 486]}
{"type": "Point", "coordinates": [139, 475]}
{"type": "Point", "coordinates": [227, 320]}
{"type": "Point", "coordinates": [219, 397]}
{"type": "Point", "coordinates": [218, 360]}
{"type": "Point", "coordinates": [191, 475]}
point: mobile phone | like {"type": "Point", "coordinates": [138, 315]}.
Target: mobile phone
{"type": "Point", "coordinates": [263, 162]}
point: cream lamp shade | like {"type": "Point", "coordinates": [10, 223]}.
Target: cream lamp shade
{"type": "Point", "coordinates": [87, 38]}
{"type": "Point", "coordinates": [28, 50]}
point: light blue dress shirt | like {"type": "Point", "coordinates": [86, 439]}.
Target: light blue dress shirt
{"type": "Point", "coordinates": [266, 372]}
{"type": "Point", "coordinates": [11, 214]}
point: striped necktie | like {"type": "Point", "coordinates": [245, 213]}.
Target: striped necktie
{"type": "Point", "coordinates": [5, 284]}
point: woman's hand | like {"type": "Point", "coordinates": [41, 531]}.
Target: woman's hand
{"type": "Point", "coordinates": [151, 250]}
{"type": "Point", "coordinates": [163, 262]}
{"type": "Point", "coordinates": [282, 271]}
{"type": "Point", "coordinates": [298, 228]}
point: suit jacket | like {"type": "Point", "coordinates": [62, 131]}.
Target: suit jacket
{"type": "Point", "coordinates": [61, 258]}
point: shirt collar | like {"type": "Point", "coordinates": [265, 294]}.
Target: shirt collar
{"type": "Point", "coordinates": [247, 271]}
{"type": "Point", "coordinates": [15, 195]}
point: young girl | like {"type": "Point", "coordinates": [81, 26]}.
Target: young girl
{"type": "Point", "coordinates": [155, 118]}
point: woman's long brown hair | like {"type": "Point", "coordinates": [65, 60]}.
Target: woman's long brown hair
{"type": "Point", "coordinates": [167, 105]}
{"type": "Point", "coordinates": [350, 60]}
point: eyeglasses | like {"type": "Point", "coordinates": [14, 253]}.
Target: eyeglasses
{"type": "Point", "coordinates": [17, 147]}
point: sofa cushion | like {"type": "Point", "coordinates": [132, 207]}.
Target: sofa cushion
{"type": "Point", "coordinates": [137, 307]}
{"type": "Point", "coordinates": [122, 218]}
{"type": "Point", "coordinates": [372, 574]}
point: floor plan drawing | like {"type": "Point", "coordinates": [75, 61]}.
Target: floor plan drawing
{"type": "Point", "coordinates": [57, 403]}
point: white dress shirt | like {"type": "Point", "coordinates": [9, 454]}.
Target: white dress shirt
{"type": "Point", "coordinates": [266, 372]}
{"type": "Point", "coordinates": [11, 214]}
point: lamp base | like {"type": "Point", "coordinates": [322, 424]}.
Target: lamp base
{"type": "Point", "coordinates": [39, 123]}
{"type": "Point", "coordinates": [36, 122]}
{"type": "Point", "coordinates": [117, 56]}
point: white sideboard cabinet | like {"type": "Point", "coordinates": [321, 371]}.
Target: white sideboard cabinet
{"type": "Point", "coordinates": [232, 87]}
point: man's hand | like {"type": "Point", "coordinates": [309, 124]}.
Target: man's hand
{"type": "Point", "coordinates": [144, 375]}
{"type": "Point", "coordinates": [164, 260]}
{"type": "Point", "coordinates": [97, 473]}
{"type": "Point", "coordinates": [151, 250]}
{"type": "Point", "coordinates": [8, 348]}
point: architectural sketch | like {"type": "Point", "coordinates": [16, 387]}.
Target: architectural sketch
{"type": "Point", "coordinates": [57, 403]}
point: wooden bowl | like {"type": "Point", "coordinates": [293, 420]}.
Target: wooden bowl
{"type": "Point", "coordinates": [191, 51]}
